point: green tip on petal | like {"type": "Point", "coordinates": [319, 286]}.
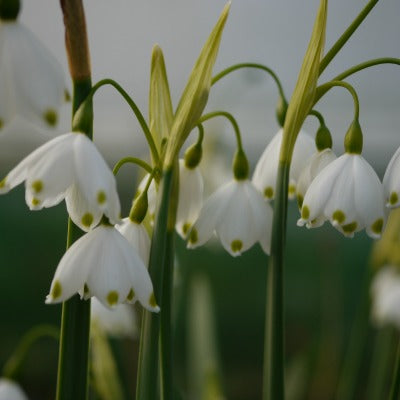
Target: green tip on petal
{"type": "Point", "coordinates": [300, 199]}
{"type": "Point", "coordinates": [186, 228]}
{"type": "Point", "coordinates": [350, 228]}
{"type": "Point", "coordinates": [193, 238]}
{"type": "Point", "coordinates": [269, 192]}
{"type": "Point", "coordinates": [131, 295]}
{"type": "Point", "coordinates": [292, 190]}
{"type": "Point", "coordinates": [377, 226]}
{"type": "Point", "coordinates": [67, 96]}
{"type": "Point", "coordinates": [87, 220]}
{"type": "Point", "coordinates": [37, 186]}
{"type": "Point", "coordinates": [35, 202]}
{"type": "Point", "coordinates": [236, 246]}
{"type": "Point", "coordinates": [112, 298]}
{"type": "Point", "coordinates": [51, 117]}
{"type": "Point", "coordinates": [394, 198]}
{"type": "Point", "coordinates": [101, 197]}
{"type": "Point", "coordinates": [2, 183]}
{"type": "Point", "coordinates": [56, 291]}
{"type": "Point", "coordinates": [86, 289]}
{"type": "Point", "coordinates": [152, 301]}
{"type": "Point", "coordinates": [339, 216]}
{"type": "Point", "coordinates": [305, 212]}
{"type": "Point", "coordinates": [1, 123]}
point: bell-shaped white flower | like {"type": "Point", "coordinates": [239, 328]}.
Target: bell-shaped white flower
{"type": "Point", "coordinates": [137, 236]}
{"type": "Point", "coordinates": [385, 291]}
{"type": "Point", "coordinates": [31, 79]}
{"type": "Point", "coordinates": [391, 181]}
{"type": "Point", "coordinates": [238, 214]}
{"type": "Point", "coordinates": [120, 321]}
{"type": "Point", "coordinates": [10, 390]}
{"type": "Point", "coordinates": [190, 198]}
{"type": "Point", "coordinates": [348, 193]}
{"type": "Point", "coordinates": [103, 264]}
{"type": "Point", "coordinates": [68, 166]}
{"type": "Point", "coordinates": [315, 164]}
{"type": "Point", "coordinates": [265, 173]}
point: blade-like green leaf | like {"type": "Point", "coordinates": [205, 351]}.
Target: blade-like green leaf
{"type": "Point", "coordinates": [195, 95]}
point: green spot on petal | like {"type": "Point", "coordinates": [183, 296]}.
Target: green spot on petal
{"type": "Point", "coordinates": [37, 186]}
{"type": "Point", "coordinates": [339, 216]}
{"type": "Point", "coordinates": [305, 212]}
{"type": "Point", "coordinates": [35, 201]}
{"type": "Point", "coordinates": [112, 298]}
{"type": "Point", "coordinates": [152, 300]}
{"type": "Point", "coordinates": [269, 192]}
{"type": "Point", "coordinates": [377, 226]}
{"type": "Point", "coordinates": [2, 183]}
{"type": "Point", "coordinates": [292, 190]}
{"type": "Point", "coordinates": [67, 96]}
{"type": "Point", "coordinates": [186, 227]}
{"type": "Point", "coordinates": [101, 197]}
{"type": "Point", "coordinates": [131, 295]}
{"type": "Point", "coordinates": [350, 228]}
{"type": "Point", "coordinates": [51, 117]}
{"type": "Point", "coordinates": [57, 290]}
{"type": "Point", "coordinates": [300, 199]}
{"type": "Point", "coordinates": [394, 198]}
{"type": "Point", "coordinates": [193, 238]}
{"type": "Point", "coordinates": [236, 245]}
{"type": "Point", "coordinates": [87, 220]}
{"type": "Point", "coordinates": [86, 289]}
{"type": "Point", "coordinates": [1, 123]}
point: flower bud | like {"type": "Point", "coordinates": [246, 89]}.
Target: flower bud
{"type": "Point", "coordinates": [353, 141]}
{"type": "Point", "coordinates": [323, 138]}
{"type": "Point", "coordinates": [240, 166]}
{"type": "Point", "coordinates": [139, 208]}
{"type": "Point", "coordinates": [193, 156]}
{"type": "Point", "coordinates": [281, 109]}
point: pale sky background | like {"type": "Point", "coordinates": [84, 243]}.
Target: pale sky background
{"type": "Point", "coordinates": [272, 32]}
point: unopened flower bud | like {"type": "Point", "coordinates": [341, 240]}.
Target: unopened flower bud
{"type": "Point", "coordinates": [193, 156]}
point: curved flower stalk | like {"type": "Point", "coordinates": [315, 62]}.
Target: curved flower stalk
{"type": "Point", "coordinates": [265, 173]}
{"type": "Point", "coordinates": [239, 216]}
{"type": "Point", "coordinates": [391, 181]}
{"type": "Point", "coordinates": [103, 264]}
{"type": "Point", "coordinates": [348, 193]}
{"type": "Point", "coordinates": [121, 321]}
{"type": "Point", "coordinates": [137, 236]}
{"type": "Point", "coordinates": [68, 166]}
{"type": "Point", "coordinates": [314, 165]}
{"type": "Point", "coordinates": [190, 198]}
{"type": "Point", "coordinates": [385, 292]}
{"type": "Point", "coordinates": [10, 390]}
{"type": "Point", "coordinates": [32, 82]}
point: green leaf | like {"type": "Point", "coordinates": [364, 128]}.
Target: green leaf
{"type": "Point", "coordinates": [194, 97]}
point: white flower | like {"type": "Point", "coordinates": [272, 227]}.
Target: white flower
{"type": "Point", "coordinates": [137, 236]}
{"type": "Point", "coordinates": [31, 80]}
{"type": "Point", "coordinates": [385, 291]}
{"type": "Point", "coordinates": [120, 321]}
{"type": "Point", "coordinates": [348, 193]}
{"type": "Point", "coordinates": [190, 198]}
{"type": "Point", "coordinates": [151, 194]}
{"type": "Point", "coordinates": [264, 177]}
{"type": "Point", "coordinates": [10, 390]}
{"type": "Point", "coordinates": [315, 164]}
{"type": "Point", "coordinates": [239, 216]}
{"type": "Point", "coordinates": [103, 264]}
{"type": "Point", "coordinates": [391, 181]}
{"type": "Point", "coordinates": [68, 166]}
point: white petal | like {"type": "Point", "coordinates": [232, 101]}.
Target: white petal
{"type": "Point", "coordinates": [391, 180]}
{"type": "Point", "coordinates": [10, 390]}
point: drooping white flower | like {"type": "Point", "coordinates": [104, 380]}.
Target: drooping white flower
{"type": "Point", "coordinates": [137, 236]}
{"type": "Point", "coordinates": [315, 164]}
{"type": "Point", "coordinates": [385, 291]}
{"type": "Point", "coordinates": [120, 321]}
{"type": "Point", "coordinates": [238, 214]}
{"type": "Point", "coordinates": [348, 193]}
{"type": "Point", "coordinates": [31, 80]}
{"type": "Point", "coordinates": [10, 390]}
{"type": "Point", "coordinates": [68, 166]}
{"type": "Point", "coordinates": [190, 198]}
{"type": "Point", "coordinates": [265, 173]}
{"type": "Point", "coordinates": [391, 181]}
{"type": "Point", "coordinates": [103, 264]}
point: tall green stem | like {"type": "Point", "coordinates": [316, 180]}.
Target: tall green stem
{"type": "Point", "coordinates": [73, 365]}
{"type": "Point", "coordinates": [395, 390]}
{"type": "Point", "coordinates": [273, 377]}
{"type": "Point", "coordinates": [147, 380]}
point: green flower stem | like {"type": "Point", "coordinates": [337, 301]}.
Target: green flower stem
{"type": "Point", "coordinates": [135, 109]}
{"type": "Point", "coordinates": [132, 160]}
{"type": "Point", "coordinates": [273, 375]}
{"type": "Point", "coordinates": [235, 67]}
{"type": "Point", "coordinates": [147, 387]}
{"type": "Point", "coordinates": [346, 35]}
{"type": "Point", "coordinates": [231, 119]}
{"type": "Point", "coordinates": [323, 89]}
{"type": "Point", "coordinates": [318, 115]}
{"type": "Point", "coordinates": [15, 362]}
{"type": "Point", "coordinates": [366, 64]}
{"type": "Point", "coordinates": [395, 389]}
